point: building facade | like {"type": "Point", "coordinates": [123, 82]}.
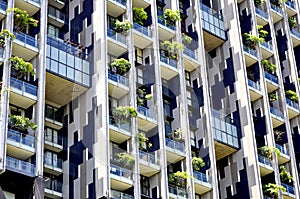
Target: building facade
{"type": "Point", "coordinates": [199, 99]}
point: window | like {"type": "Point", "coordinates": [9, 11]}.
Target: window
{"type": "Point", "coordinates": [168, 128]}
{"type": "Point", "coordinates": [167, 108]}
{"type": "Point", "coordinates": [139, 56]}
{"type": "Point", "coordinates": [145, 186]}
{"type": "Point", "coordinates": [16, 111]}
{"type": "Point", "coordinates": [189, 98]}
{"type": "Point", "coordinates": [188, 78]}
{"type": "Point", "coordinates": [140, 76]}
{"type": "Point", "coordinates": [51, 135]}
{"type": "Point", "coordinates": [160, 10]}
{"type": "Point", "coordinates": [193, 138]}
{"type": "Point", "coordinates": [53, 31]}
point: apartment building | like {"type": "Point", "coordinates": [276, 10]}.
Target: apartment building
{"type": "Point", "coordinates": [151, 99]}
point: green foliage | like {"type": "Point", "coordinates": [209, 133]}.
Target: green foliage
{"type": "Point", "coordinates": [269, 67]}
{"type": "Point", "coordinates": [142, 96]}
{"type": "Point", "coordinates": [123, 26]}
{"type": "Point", "coordinates": [4, 36]}
{"type": "Point", "coordinates": [21, 123]}
{"type": "Point", "coordinates": [272, 96]}
{"type": "Point", "coordinates": [285, 176]}
{"type": "Point", "coordinates": [186, 40]}
{"type": "Point", "coordinates": [171, 16]}
{"type": "Point", "coordinates": [124, 113]}
{"type": "Point", "coordinates": [144, 143]}
{"type": "Point", "coordinates": [197, 163]}
{"type": "Point", "coordinates": [21, 67]}
{"type": "Point", "coordinates": [120, 66]}
{"type": "Point", "coordinates": [252, 41]}
{"type": "Point", "coordinates": [262, 33]}
{"type": "Point", "coordinates": [139, 15]}
{"type": "Point", "coordinates": [276, 2]}
{"type": "Point", "coordinates": [292, 23]}
{"type": "Point", "coordinates": [22, 20]}
{"type": "Point", "coordinates": [172, 49]}
{"type": "Point", "coordinates": [177, 135]}
{"type": "Point", "coordinates": [179, 178]}
{"type": "Point", "coordinates": [267, 151]}
{"type": "Point", "coordinates": [272, 190]}
{"type": "Point", "coordinates": [125, 158]}
{"type": "Point", "coordinates": [292, 95]}
{"type": "Point", "coordinates": [259, 2]}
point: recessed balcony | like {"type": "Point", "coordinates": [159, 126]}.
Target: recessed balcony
{"type": "Point", "coordinates": [148, 163]}
{"type": "Point", "coordinates": [277, 117]}
{"type": "Point", "coordinates": [53, 143]}
{"type": "Point", "coordinates": [3, 6]}
{"type": "Point", "coordinates": [290, 8]}
{"type": "Point", "coordinates": [175, 150]}
{"type": "Point", "coordinates": [265, 165]}
{"type": "Point", "coordinates": [295, 35]}
{"type": "Point", "coordinates": [117, 44]}
{"type": "Point", "coordinates": [142, 36]}
{"type": "Point", "coordinates": [289, 192]}
{"type": "Point", "coordinates": [293, 108]}
{"type": "Point", "coordinates": [254, 89]}
{"type": "Point", "coordinates": [168, 67]}
{"type": "Point", "coordinates": [120, 178]}
{"type": "Point", "coordinates": [57, 3]}
{"type": "Point", "coordinates": [190, 58]}
{"type": "Point", "coordinates": [53, 165]}
{"type": "Point", "coordinates": [31, 6]}
{"type": "Point", "coordinates": [146, 118]}
{"type": "Point", "coordinates": [165, 31]}
{"type": "Point", "coordinates": [116, 7]}
{"type": "Point", "coordinates": [56, 17]}
{"type": "Point", "coordinates": [266, 49]}
{"type": "Point", "coordinates": [53, 189]}
{"type": "Point", "coordinates": [119, 131]}
{"type": "Point", "coordinates": [119, 195]}
{"type": "Point", "coordinates": [25, 46]}
{"type": "Point", "coordinates": [20, 145]}
{"type": "Point", "coordinates": [176, 192]}
{"type": "Point", "coordinates": [141, 3]}
{"type": "Point", "coordinates": [201, 183]}
{"type": "Point", "coordinates": [53, 117]}
{"type": "Point", "coordinates": [250, 55]}
{"type": "Point", "coordinates": [276, 13]}
{"type": "Point", "coordinates": [22, 93]}
{"type": "Point", "coordinates": [117, 85]}
{"type": "Point", "coordinates": [284, 155]}
{"type": "Point", "coordinates": [261, 17]}
{"type": "Point", "coordinates": [272, 82]}
{"type": "Point", "coordinates": [19, 166]}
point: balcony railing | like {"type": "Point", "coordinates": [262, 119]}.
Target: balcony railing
{"type": "Point", "coordinates": [123, 2]}
{"type": "Point", "coordinates": [116, 36]}
{"type": "Point", "coordinates": [27, 39]}
{"type": "Point", "coordinates": [175, 145]}
{"type": "Point", "coordinates": [289, 189]}
{"type": "Point", "coordinates": [201, 176]}
{"type": "Point", "coordinates": [271, 77]}
{"type": "Point", "coordinates": [264, 160]}
{"type": "Point", "coordinates": [34, 1]}
{"type": "Point", "coordinates": [168, 61]}
{"type": "Point", "coordinates": [21, 138]}
{"type": "Point", "coordinates": [276, 9]}
{"type": "Point", "coordinates": [164, 23]}
{"type": "Point", "coordinates": [53, 114]}
{"type": "Point", "coordinates": [146, 112]}
{"type": "Point", "coordinates": [212, 21]}
{"type": "Point", "coordinates": [224, 131]}
{"type": "Point", "coordinates": [118, 78]}
{"type": "Point", "coordinates": [53, 185]}
{"type": "Point", "coordinates": [281, 149]}
{"type": "Point", "coordinates": [56, 13]}
{"type": "Point", "coordinates": [123, 125]}
{"type": "Point", "coordinates": [121, 172]}
{"type": "Point", "coordinates": [295, 32]}
{"type": "Point", "coordinates": [261, 13]}
{"type": "Point", "coordinates": [20, 166]}
{"type": "Point", "coordinates": [144, 30]}
{"type": "Point", "coordinates": [24, 87]}
{"type": "Point", "coordinates": [250, 51]}
{"type": "Point", "coordinates": [290, 4]}
{"type": "Point", "coordinates": [53, 162]}
{"type": "Point", "coordinates": [190, 53]}
{"type": "Point", "coordinates": [267, 44]}
{"type": "Point", "coordinates": [276, 113]}
{"type": "Point", "coordinates": [3, 5]}
{"type": "Point", "coordinates": [119, 195]}
{"type": "Point", "coordinates": [148, 157]}
{"type": "Point", "coordinates": [254, 85]}
{"type": "Point", "coordinates": [179, 191]}
{"type": "Point", "coordinates": [292, 103]}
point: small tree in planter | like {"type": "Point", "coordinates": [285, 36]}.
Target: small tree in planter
{"type": "Point", "coordinates": [171, 49]}
{"type": "Point", "coordinates": [21, 67]}
{"type": "Point", "coordinates": [252, 41]}
{"type": "Point", "coordinates": [269, 67]}
{"type": "Point", "coordinates": [292, 23]}
{"type": "Point", "coordinates": [262, 33]}
{"type": "Point", "coordinates": [273, 190]}
{"type": "Point", "coordinates": [171, 16]}
{"type": "Point", "coordinates": [292, 95]}
{"type": "Point", "coordinates": [144, 143]}
{"type": "Point", "coordinates": [285, 176]}
{"type": "Point", "coordinates": [4, 36]}
{"type": "Point", "coordinates": [20, 123]}
{"type": "Point", "coordinates": [186, 40]}
{"type": "Point", "coordinates": [276, 2]}
{"type": "Point", "coordinates": [123, 113]}
{"type": "Point", "coordinates": [177, 135]}
{"type": "Point", "coordinates": [272, 96]}
{"type": "Point", "coordinates": [22, 20]}
{"type": "Point", "coordinates": [123, 26]}
{"type": "Point", "coordinates": [120, 66]}
{"type": "Point", "coordinates": [139, 15]}
{"type": "Point", "coordinates": [267, 151]}
{"type": "Point", "coordinates": [197, 163]}
{"type": "Point", "coordinates": [125, 158]}
{"type": "Point", "coordinates": [259, 2]}
{"type": "Point", "coordinates": [179, 178]}
{"type": "Point", "coordinates": [142, 96]}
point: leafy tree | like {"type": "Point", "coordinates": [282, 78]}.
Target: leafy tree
{"type": "Point", "coordinates": [4, 36]}
{"type": "Point", "coordinates": [120, 66]}
{"type": "Point", "coordinates": [21, 67]}
{"type": "Point", "coordinates": [171, 48]}
{"type": "Point", "coordinates": [292, 95]}
{"type": "Point", "coordinates": [292, 23]}
{"type": "Point", "coordinates": [267, 151]}
{"type": "Point", "coordinates": [144, 143]}
{"type": "Point", "coordinates": [262, 33]}
{"type": "Point", "coordinates": [285, 176]}
{"type": "Point", "coordinates": [142, 96]}
{"type": "Point", "coordinates": [22, 20]}
{"type": "Point", "coordinates": [123, 113]}
{"type": "Point", "coordinates": [259, 2]}
{"type": "Point", "coordinates": [123, 26]}
{"type": "Point", "coordinates": [179, 178]}
{"type": "Point", "coordinates": [186, 40]}
{"type": "Point", "coordinates": [125, 158]}
{"type": "Point", "coordinates": [197, 163]}
{"type": "Point", "coordinates": [139, 15]}
{"type": "Point", "coordinates": [21, 123]}
{"type": "Point", "coordinates": [171, 16]}
{"type": "Point", "coordinates": [252, 41]}
{"type": "Point", "coordinates": [273, 190]}
{"type": "Point", "coordinates": [269, 66]}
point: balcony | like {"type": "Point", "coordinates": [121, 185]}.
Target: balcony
{"type": "Point", "coordinates": [213, 26]}
{"type": "Point", "coordinates": [175, 150]}
{"type": "Point", "coordinates": [148, 163]}
{"type": "Point", "coordinates": [120, 178]}
{"type": "Point", "coordinates": [284, 155]}
{"type": "Point", "coordinates": [22, 93]}
{"type": "Point", "coordinates": [165, 31]}
{"type": "Point", "coordinates": [56, 17]}
{"type": "Point", "coordinates": [140, 3]}
{"type": "Point", "coordinates": [289, 193]}
{"type": "Point", "coordinates": [117, 85]}
{"type": "Point", "coordinates": [20, 145]}
{"type": "Point", "coordinates": [176, 192]}
{"type": "Point", "coordinates": [266, 49]}
{"type": "Point", "coordinates": [201, 183]}
{"type": "Point", "coordinates": [53, 165]}
{"type": "Point", "coordinates": [142, 36]}
{"type": "Point", "coordinates": [290, 8]}
{"type": "Point", "coordinates": [68, 73]}
{"type": "Point", "coordinates": [25, 46]}
{"type": "Point", "coordinates": [19, 166]}
{"type": "Point", "coordinates": [119, 195]}
{"type": "Point", "coordinates": [261, 16]}
{"type": "Point", "coordinates": [57, 3]}
{"type": "Point", "coordinates": [31, 6]}
{"type": "Point", "coordinates": [277, 117]}
{"type": "Point", "coordinates": [53, 188]}
{"type": "Point", "coordinates": [254, 89]}
{"type": "Point", "coordinates": [265, 165]}
{"type": "Point", "coordinates": [250, 55]}
{"type": "Point", "coordinates": [119, 131]}
{"type": "Point", "coordinates": [272, 82]}
{"type": "Point", "coordinates": [225, 135]}
{"type": "Point", "coordinates": [146, 119]}
{"type": "Point", "coordinates": [3, 6]}
{"type": "Point", "coordinates": [53, 117]}
{"type": "Point", "coordinates": [295, 35]}
{"type": "Point", "coordinates": [276, 13]}
{"type": "Point", "coordinates": [190, 59]}
{"type": "Point", "coordinates": [116, 43]}
{"type": "Point", "coordinates": [293, 108]}
{"type": "Point", "coordinates": [168, 67]}
{"type": "Point", "coordinates": [53, 143]}
{"type": "Point", "coordinates": [115, 7]}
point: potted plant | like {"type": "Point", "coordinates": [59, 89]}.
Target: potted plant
{"type": "Point", "coordinates": [272, 96]}
{"type": "Point", "coordinates": [292, 23]}
{"type": "Point", "coordinates": [267, 151]}
{"type": "Point", "coordinates": [179, 178]}
{"type": "Point", "coordinates": [123, 113]}
{"type": "Point", "coordinates": [177, 135]}
{"type": "Point", "coordinates": [123, 26]}
{"type": "Point", "coordinates": [186, 40]}
{"type": "Point", "coordinates": [4, 36]}
{"type": "Point", "coordinates": [285, 176]}
{"type": "Point", "coordinates": [197, 163]}
{"type": "Point", "coordinates": [144, 143]}
{"type": "Point", "coordinates": [171, 16]}
{"type": "Point", "coordinates": [292, 95]}
{"type": "Point", "coordinates": [142, 96]}
{"type": "Point", "coordinates": [21, 67]}
{"type": "Point", "coordinates": [20, 123]}
{"type": "Point", "coordinates": [272, 189]}
{"type": "Point", "coordinates": [171, 49]}
{"type": "Point", "coordinates": [120, 66]}
{"type": "Point", "coordinates": [259, 2]}
{"type": "Point", "coordinates": [261, 32]}
{"type": "Point", "coordinates": [269, 67]}
{"type": "Point", "coordinates": [22, 20]}
{"type": "Point", "coordinates": [252, 41]}
{"type": "Point", "coordinates": [125, 159]}
{"type": "Point", "coordinates": [139, 15]}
